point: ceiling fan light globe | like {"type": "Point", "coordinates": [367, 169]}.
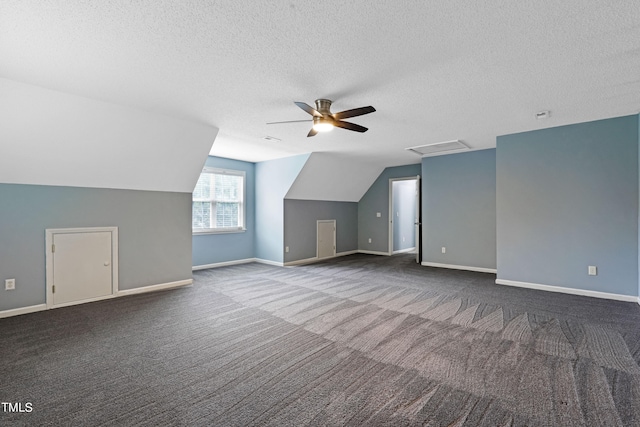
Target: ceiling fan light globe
{"type": "Point", "coordinates": [322, 126]}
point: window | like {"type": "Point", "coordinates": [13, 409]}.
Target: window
{"type": "Point", "coordinates": [218, 201]}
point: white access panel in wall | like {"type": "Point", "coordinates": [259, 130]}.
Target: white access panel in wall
{"type": "Point", "coordinates": [81, 265]}
{"type": "Point", "coordinates": [326, 239]}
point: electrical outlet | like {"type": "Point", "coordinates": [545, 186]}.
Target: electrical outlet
{"type": "Point", "coordinates": [378, 214]}
{"type": "Point", "coordinates": [444, 250]}
{"type": "Point", "coordinates": [9, 284]}
{"type": "Point", "coordinates": [402, 239]}
{"type": "Point", "coordinates": [369, 239]}
{"type": "Point", "coordinates": [286, 248]}
{"type": "Point", "coordinates": [593, 270]}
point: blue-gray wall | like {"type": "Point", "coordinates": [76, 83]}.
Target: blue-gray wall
{"type": "Point", "coordinates": [223, 247]}
{"type": "Point", "coordinates": [567, 199]}
{"type": "Point", "coordinates": [404, 214]}
{"type": "Point", "coordinates": [273, 180]}
{"type": "Point", "coordinates": [300, 226]}
{"type": "Point", "coordinates": [376, 199]}
{"type": "Point", "coordinates": [154, 234]}
{"type": "Point", "coordinates": [459, 209]}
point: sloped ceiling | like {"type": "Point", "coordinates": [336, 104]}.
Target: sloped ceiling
{"type": "Point", "coordinates": [53, 138]}
{"type": "Point", "coordinates": [333, 177]}
{"type": "Point", "coordinates": [435, 71]}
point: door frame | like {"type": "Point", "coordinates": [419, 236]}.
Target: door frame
{"type": "Point", "coordinates": [418, 222]}
{"type": "Point", "coordinates": [418, 211]}
{"type": "Point", "coordinates": [49, 234]}
{"type": "Point", "coordinates": [333, 221]}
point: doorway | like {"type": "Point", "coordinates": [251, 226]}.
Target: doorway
{"type": "Point", "coordinates": [81, 265]}
{"type": "Point", "coordinates": [405, 216]}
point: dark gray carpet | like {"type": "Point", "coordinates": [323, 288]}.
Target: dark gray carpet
{"type": "Point", "coordinates": [361, 340]}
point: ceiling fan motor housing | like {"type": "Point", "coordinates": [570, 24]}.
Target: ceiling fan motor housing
{"type": "Point", "coordinates": [323, 106]}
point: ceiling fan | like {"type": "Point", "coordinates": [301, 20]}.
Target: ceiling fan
{"type": "Point", "coordinates": [324, 120]}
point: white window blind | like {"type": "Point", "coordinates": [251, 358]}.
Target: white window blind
{"type": "Point", "coordinates": [218, 201]}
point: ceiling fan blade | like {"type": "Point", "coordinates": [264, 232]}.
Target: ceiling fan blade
{"type": "Point", "coordinates": [289, 121]}
{"type": "Point", "coordinates": [309, 109]}
{"type": "Point", "coordinates": [350, 126]}
{"type": "Point", "coordinates": [312, 132]}
{"type": "Point", "coordinates": [353, 113]}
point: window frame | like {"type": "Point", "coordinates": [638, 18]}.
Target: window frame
{"type": "Point", "coordinates": [243, 203]}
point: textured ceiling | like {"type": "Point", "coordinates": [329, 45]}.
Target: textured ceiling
{"type": "Point", "coordinates": [435, 71]}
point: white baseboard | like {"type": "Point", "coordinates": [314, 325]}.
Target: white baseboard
{"type": "Point", "coordinates": [22, 310]}
{"type": "Point", "coordinates": [316, 259]}
{"type": "Point", "coordinates": [459, 267]}
{"type": "Point", "coordinates": [141, 290]}
{"type": "Point", "coordinates": [304, 261]}
{"type": "Point", "coordinates": [345, 253]}
{"type": "Point", "coordinates": [404, 251]}
{"type": "Point", "coordinates": [269, 262]}
{"type": "Point", "coordinates": [153, 288]}
{"type": "Point", "coordinates": [572, 291]}
{"type": "Point", "coordinates": [373, 252]}
{"type": "Point", "coordinates": [84, 301]}
{"type": "Point", "coordinates": [223, 264]}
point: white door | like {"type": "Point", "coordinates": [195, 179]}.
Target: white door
{"type": "Point", "coordinates": [82, 267]}
{"type": "Point", "coordinates": [326, 238]}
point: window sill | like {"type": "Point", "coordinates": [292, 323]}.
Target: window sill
{"type": "Point", "coordinates": [235, 230]}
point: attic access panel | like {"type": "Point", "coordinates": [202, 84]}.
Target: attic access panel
{"type": "Point", "coordinates": [439, 147]}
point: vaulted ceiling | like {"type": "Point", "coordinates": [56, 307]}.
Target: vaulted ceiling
{"type": "Point", "coordinates": [435, 71]}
